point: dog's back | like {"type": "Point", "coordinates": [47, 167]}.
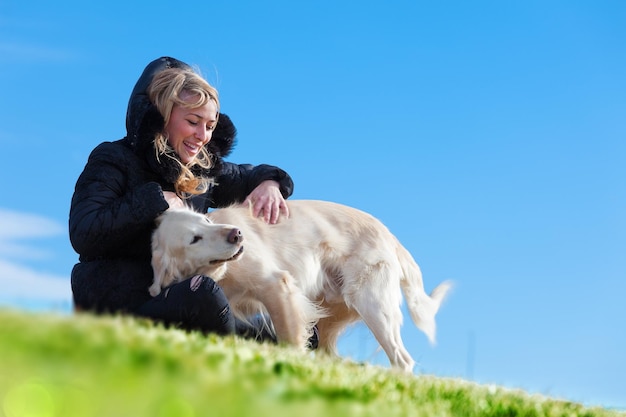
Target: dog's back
{"type": "Point", "coordinates": [314, 243]}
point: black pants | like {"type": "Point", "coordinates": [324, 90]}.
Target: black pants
{"type": "Point", "coordinates": [197, 303]}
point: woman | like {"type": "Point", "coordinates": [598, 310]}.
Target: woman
{"type": "Point", "coordinates": [171, 155]}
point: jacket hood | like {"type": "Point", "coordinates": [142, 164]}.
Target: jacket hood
{"type": "Point", "coordinates": [143, 120]}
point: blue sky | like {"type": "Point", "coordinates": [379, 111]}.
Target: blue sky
{"type": "Point", "coordinates": [489, 136]}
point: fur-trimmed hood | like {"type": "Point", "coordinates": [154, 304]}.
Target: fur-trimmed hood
{"type": "Point", "coordinates": [143, 122]}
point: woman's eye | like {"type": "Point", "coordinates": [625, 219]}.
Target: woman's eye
{"type": "Point", "coordinates": [196, 239]}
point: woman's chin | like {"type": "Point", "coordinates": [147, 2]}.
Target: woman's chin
{"type": "Point", "coordinates": [187, 159]}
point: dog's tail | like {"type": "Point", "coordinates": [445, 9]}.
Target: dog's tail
{"type": "Point", "coordinates": [422, 307]}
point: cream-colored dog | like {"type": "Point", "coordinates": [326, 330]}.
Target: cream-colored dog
{"type": "Point", "coordinates": [326, 265]}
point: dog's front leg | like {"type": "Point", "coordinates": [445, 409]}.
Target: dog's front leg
{"type": "Point", "coordinates": [155, 288]}
{"type": "Point", "coordinates": [285, 303]}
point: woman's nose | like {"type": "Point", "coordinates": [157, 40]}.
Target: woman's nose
{"type": "Point", "coordinates": [202, 134]}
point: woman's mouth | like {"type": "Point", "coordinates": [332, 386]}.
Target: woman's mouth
{"type": "Point", "coordinates": [191, 148]}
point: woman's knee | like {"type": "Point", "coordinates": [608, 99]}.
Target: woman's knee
{"type": "Point", "coordinates": [197, 303]}
{"type": "Point", "coordinates": [209, 304]}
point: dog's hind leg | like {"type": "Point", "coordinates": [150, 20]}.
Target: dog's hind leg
{"type": "Point", "coordinates": [386, 329]}
{"type": "Point", "coordinates": [378, 302]}
{"type": "Point", "coordinates": [331, 327]}
{"type": "Point", "coordinates": [385, 324]}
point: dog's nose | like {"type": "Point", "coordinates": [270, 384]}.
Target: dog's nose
{"type": "Point", "coordinates": [234, 236]}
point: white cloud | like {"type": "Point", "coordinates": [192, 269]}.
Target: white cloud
{"type": "Point", "coordinates": [14, 251]}
{"type": "Point", "coordinates": [23, 286]}
{"type": "Point", "coordinates": [21, 282]}
{"type": "Point", "coordinates": [18, 225]}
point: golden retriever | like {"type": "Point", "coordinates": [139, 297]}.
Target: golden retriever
{"type": "Point", "coordinates": [326, 265]}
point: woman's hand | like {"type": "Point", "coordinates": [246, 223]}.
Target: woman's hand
{"type": "Point", "coordinates": [173, 200]}
{"type": "Point", "coordinates": [267, 202]}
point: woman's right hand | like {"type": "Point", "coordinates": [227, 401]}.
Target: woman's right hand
{"type": "Point", "coordinates": [173, 200]}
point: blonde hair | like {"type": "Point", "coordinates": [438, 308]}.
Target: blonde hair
{"type": "Point", "coordinates": [165, 92]}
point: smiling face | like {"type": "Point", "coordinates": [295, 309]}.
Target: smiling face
{"type": "Point", "coordinates": [189, 129]}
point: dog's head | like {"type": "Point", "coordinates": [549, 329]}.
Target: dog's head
{"type": "Point", "coordinates": [186, 243]}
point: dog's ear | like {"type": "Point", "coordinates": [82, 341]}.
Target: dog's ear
{"type": "Point", "coordinates": [163, 265]}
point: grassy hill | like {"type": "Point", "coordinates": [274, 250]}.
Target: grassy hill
{"type": "Point", "coordinates": [84, 366]}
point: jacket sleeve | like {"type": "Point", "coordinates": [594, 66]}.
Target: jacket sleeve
{"type": "Point", "coordinates": [234, 182]}
{"type": "Point", "coordinates": [107, 213]}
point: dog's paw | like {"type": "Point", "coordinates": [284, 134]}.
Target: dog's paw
{"type": "Point", "coordinates": [154, 290]}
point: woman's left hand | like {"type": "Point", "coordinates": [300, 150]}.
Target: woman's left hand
{"type": "Point", "coordinates": [268, 202]}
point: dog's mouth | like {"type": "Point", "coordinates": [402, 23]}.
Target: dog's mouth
{"type": "Point", "coordinates": [232, 258]}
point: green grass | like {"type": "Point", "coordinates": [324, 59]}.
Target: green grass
{"type": "Point", "coordinates": [81, 365]}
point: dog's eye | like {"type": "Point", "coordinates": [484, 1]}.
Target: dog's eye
{"type": "Point", "coordinates": [196, 239]}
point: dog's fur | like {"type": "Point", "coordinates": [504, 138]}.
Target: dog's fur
{"type": "Point", "coordinates": [327, 264]}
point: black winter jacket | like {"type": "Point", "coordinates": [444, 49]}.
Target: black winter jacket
{"type": "Point", "coordinates": [119, 194]}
